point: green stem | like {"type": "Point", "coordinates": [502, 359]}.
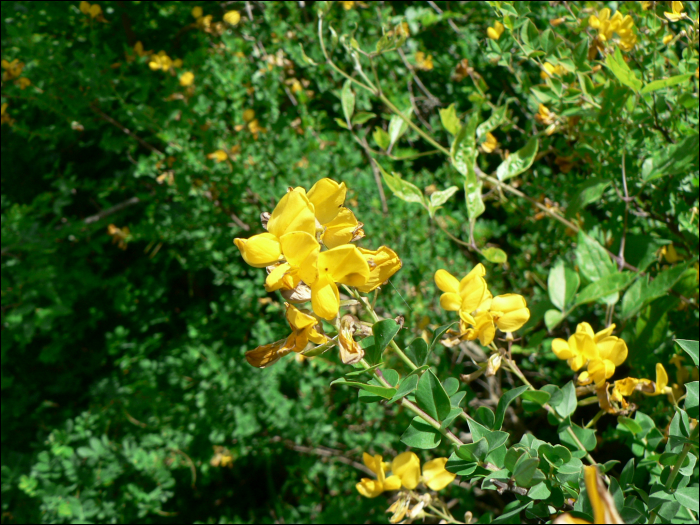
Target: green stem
{"type": "Point", "coordinates": [681, 458]}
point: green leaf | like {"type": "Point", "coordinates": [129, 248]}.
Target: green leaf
{"type": "Point", "coordinates": [384, 332]}
{"type": "Point", "coordinates": [381, 391]}
{"type": "Point", "coordinates": [643, 292]}
{"type": "Point", "coordinates": [557, 455]}
{"type": "Point", "coordinates": [555, 392]}
{"type": "Point", "coordinates": [676, 159]}
{"type": "Point", "coordinates": [347, 99]}
{"type": "Point", "coordinates": [539, 491]}
{"type": "Point", "coordinates": [525, 471]}
{"type": "Point", "coordinates": [472, 196]}
{"type": "Point", "coordinates": [585, 435]}
{"type": "Point", "coordinates": [485, 417]}
{"type": "Point", "coordinates": [397, 126]}
{"type": "Point", "coordinates": [567, 406]}
{"type": "Point", "coordinates": [402, 189]}
{"type": "Point", "coordinates": [449, 119]}
{"type": "Point", "coordinates": [604, 287]}
{"type": "Point", "coordinates": [362, 117]}
{"type": "Point", "coordinates": [381, 137]}
{"type": "Point", "coordinates": [691, 348]}
{"type": "Point", "coordinates": [562, 285]}
{"type": "Point", "coordinates": [504, 402]}
{"type": "Point", "coordinates": [463, 151]}
{"type": "Point", "coordinates": [586, 193]}
{"type": "Point", "coordinates": [494, 255]}
{"type": "Point", "coordinates": [688, 497]}
{"type": "Point", "coordinates": [592, 259]}
{"type": "Point", "coordinates": [451, 385]}
{"type": "Point", "coordinates": [537, 396]}
{"type": "Point", "coordinates": [627, 475]}
{"type": "Point", "coordinates": [341, 123]}
{"type": "Point", "coordinates": [529, 34]}
{"type": "Point", "coordinates": [441, 197]}
{"type": "Point", "coordinates": [459, 466]}
{"type": "Point", "coordinates": [630, 424]}
{"type": "Point", "coordinates": [494, 438]}
{"type": "Point", "coordinates": [438, 334]}
{"type": "Point", "coordinates": [361, 371]}
{"type": "Point", "coordinates": [573, 466]}
{"type": "Point", "coordinates": [497, 118]}
{"type": "Point", "coordinates": [454, 414]}
{"type": "Point", "coordinates": [616, 63]}
{"type": "Point", "coordinates": [431, 396]}
{"type": "Point", "coordinates": [408, 385]}
{"type": "Point", "coordinates": [421, 435]}
{"type": "Point", "coordinates": [476, 451]}
{"type": "Point", "coordinates": [666, 82]}
{"type": "Point", "coordinates": [691, 399]}
{"type": "Point", "coordinates": [552, 318]}
{"type": "Point", "coordinates": [417, 350]}
{"type": "Point", "coordinates": [519, 161]}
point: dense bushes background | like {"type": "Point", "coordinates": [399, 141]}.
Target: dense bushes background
{"type": "Point", "coordinates": [126, 309]}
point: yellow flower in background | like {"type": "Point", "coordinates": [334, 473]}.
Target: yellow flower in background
{"type": "Point", "coordinates": [625, 30]}
{"type": "Point", "coordinates": [5, 116]}
{"type": "Point", "coordinates": [12, 69]}
{"type": "Point", "coordinates": [23, 82]}
{"type": "Point", "coordinates": [490, 144]}
{"type": "Point", "coordinates": [304, 327]}
{"type": "Point", "coordinates": [604, 24]}
{"type": "Point", "coordinates": [197, 12]}
{"type": "Point", "coordinates": [667, 39]}
{"type": "Point", "coordinates": [187, 79]}
{"type": "Point", "coordinates": [509, 312]}
{"type": "Point", "coordinates": [371, 488]}
{"type": "Point", "coordinates": [465, 295]}
{"type": "Point", "coordinates": [120, 236]}
{"type": "Point", "coordinates": [160, 61]}
{"type": "Point", "coordinates": [659, 387]}
{"type": "Point", "coordinates": [495, 32]}
{"type": "Point", "coordinates": [551, 70]}
{"type": "Point", "coordinates": [676, 12]}
{"type": "Point", "coordinates": [423, 61]}
{"type": "Point", "coordinates": [435, 476]}
{"type": "Point", "coordinates": [407, 467]}
{"type": "Point", "coordinates": [232, 17]}
{"type": "Point", "coordinates": [84, 7]}
{"type": "Point", "coordinates": [219, 155]}
{"type": "Point", "coordinates": [248, 115]}
{"type": "Point", "coordinates": [576, 351]}
{"type": "Point", "coordinates": [545, 116]}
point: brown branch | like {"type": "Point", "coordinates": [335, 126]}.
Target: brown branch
{"type": "Point", "coordinates": [125, 130]}
{"type": "Point", "coordinates": [110, 211]}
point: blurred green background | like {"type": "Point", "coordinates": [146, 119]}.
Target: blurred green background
{"type": "Point", "coordinates": [126, 308]}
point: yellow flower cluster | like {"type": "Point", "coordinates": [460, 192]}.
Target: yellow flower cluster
{"type": "Point", "coordinates": [423, 61]}
{"type": "Point", "coordinates": [495, 32]}
{"type": "Point", "coordinates": [251, 123]}
{"type": "Point", "coordinates": [307, 251]}
{"type": "Point", "coordinates": [601, 351]}
{"type": "Point", "coordinates": [676, 12]}
{"type": "Point", "coordinates": [120, 236]}
{"type": "Point", "coordinates": [479, 312]}
{"type": "Point", "coordinates": [607, 26]}
{"type": "Point", "coordinates": [94, 11]}
{"type": "Point", "coordinates": [163, 62]}
{"type": "Point", "coordinates": [5, 117]}
{"type": "Point", "coordinates": [13, 70]}
{"type": "Point", "coordinates": [405, 472]}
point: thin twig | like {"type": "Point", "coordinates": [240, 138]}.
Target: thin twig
{"type": "Point", "coordinates": [377, 176]}
{"type": "Point", "coordinates": [110, 211]}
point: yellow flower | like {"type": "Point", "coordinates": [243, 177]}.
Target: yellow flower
{"type": "Point", "coordinates": [371, 488]}
{"type": "Point", "coordinates": [490, 144]}
{"type": "Point", "coordinates": [12, 69]}
{"type": "Point", "coordinates": [677, 12]}
{"type": "Point", "coordinates": [545, 116]}
{"type": "Point", "coordinates": [177, 63]}
{"type": "Point", "coordinates": [509, 312]}
{"type": "Point", "coordinates": [84, 7]}
{"type": "Point", "coordinates": [604, 24]}
{"type": "Point", "coordinates": [483, 327]}
{"type": "Point", "coordinates": [659, 387]}
{"type": "Point", "coordinates": [557, 22]}
{"type": "Point", "coordinates": [347, 5]}
{"type": "Point", "coordinates": [625, 30]}
{"type": "Point", "coordinates": [383, 264]}
{"type": "Point", "coordinates": [293, 214]}
{"type": "Point", "coordinates": [304, 327]}
{"type": "Point", "coordinates": [604, 510]}
{"type": "Point", "coordinates": [667, 39]}
{"type": "Point", "coordinates": [138, 49]}
{"type": "Point", "coordinates": [197, 12]}
{"type": "Point", "coordinates": [407, 467]}
{"type": "Point", "coordinates": [232, 17]}
{"type": "Point", "coordinates": [187, 79]}
{"type": "Point", "coordinates": [23, 82]}
{"type": "Point", "coordinates": [424, 62]}
{"type": "Point", "coordinates": [120, 236]}
{"type": "Point", "coordinates": [5, 116]}
{"type": "Point", "coordinates": [646, 5]}
{"type": "Point", "coordinates": [160, 61]}
{"type": "Point", "coordinates": [551, 70]}
{"type": "Point", "coordinates": [577, 350]}
{"type": "Point", "coordinates": [248, 115]}
{"type": "Point", "coordinates": [495, 32]}
{"type": "Point", "coordinates": [343, 229]}
{"type": "Point", "coordinates": [327, 196]}
{"type": "Point", "coordinates": [435, 476]}
{"type": "Point", "coordinates": [95, 11]}
{"type": "Point", "coordinates": [465, 295]}
{"type": "Point", "coordinates": [219, 155]}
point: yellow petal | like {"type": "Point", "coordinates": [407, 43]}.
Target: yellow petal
{"type": "Point", "coordinates": [604, 510]}
{"type": "Point", "coordinates": [196, 12]}
{"type": "Point", "coordinates": [561, 349]}
{"type": "Point", "coordinates": [383, 263]}
{"type": "Point", "coordinates": [294, 212]}
{"type": "Point", "coordinates": [584, 378]}
{"type": "Point", "coordinates": [492, 33]}
{"type": "Point", "coordinates": [661, 377]}
{"type": "Point", "coordinates": [260, 250]}
{"type": "Point", "coordinates": [485, 328]}
{"type": "Point", "coordinates": [345, 264]}
{"type": "Point", "coordinates": [407, 467]}
{"type": "Point", "coordinates": [327, 196]}
{"type": "Point", "coordinates": [84, 7]}
{"type": "Point", "coordinates": [626, 386]}
{"type": "Point", "coordinates": [374, 463]}
{"type": "Point", "coordinates": [297, 246]}
{"type": "Point", "coordinates": [446, 282]}
{"type": "Point", "coordinates": [510, 312]}
{"type": "Point", "coordinates": [435, 475]}
{"type": "Point", "coordinates": [593, 22]}
{"type": "Point", "coordinates": [477, 271]}
{"type": "Point", "coordinates": [614, 349]}
{"type": "Point", "coordinates": [576, 362]}
{"type": "Point", "coordinates": [280, 277]}
{"type": "Point", "coordinates": [187, 79]}
{"type": "Point", "coordinates": [267, 355]}
{"type": "Point", "coordinates": [582, 344]}
{"type": "Point", "coordinates": [392, 483]}
{"type": "Point", "coordinates": [600, 370]}
{"type": "Point", "coordinates": [599, 336]}
{"type": "Point", "coordinates": [325, 298]}
{"type": "Point", "coordinates": [473, 294]}
{"type": "Point", "coordinates": [369, 488]}
{"type": "Point", "coordinates": [585, 328]}
{"type": "Point", "coordinates": [350, 351]}
{"type": "Point", "coordinates": [450, 302]}
{"type": "Point", "coordinates": [232, 17]}
{"type": "Point", "coordinates": [340, 230]}
{"type": "Point", "coordinates": [299, 320]}
{"type": "Point", "coordinates": [513, 321]}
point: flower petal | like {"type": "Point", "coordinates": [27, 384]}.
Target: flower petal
{"type": "Point", "coordinates": [383, 263]}
{"type": "Point", "coordinates": [327, 196]}
{"type": "Point", "coordinates": [340, 230]}
{"type": "Point", "coordinates": [293, 212]}
{"type": "Point", "coordinates": [369, 488]}
{"type": "Point", "coordinates": [435, 475]}
{"type": "Point", "coordinates": [477, 271]}
{"type": "Point", "coordinates": [561, 349]}
{"type": "Point", "coordinates": [325, 298]}
{"type": "Point", "coordinates": [267, 355]}
{"type": "Point", "coordinates": [296, 246]}
{"type": "Point", "coordinates": [450, 302]}
{"type": "Point", "coordinates": [345, 264]}
{"type": "Point", "coordinates": [407, 467]}
{"type": "Point", "coordinates": [613, 348]}
{"type": "Point", "coordinates": [661, 378]}
{"type": "Point", "coordinates": [473, 294]}
{"type": "Point", "coordinates": [260, 250]}
{"type": "Point", "coordinates": [513, 321]}
{"type": "Point", "coordinates": [585, 328]}
{"type": "Point", "coordinates": [582, 344]}
{"type": "Point", "coordinates": [282, 276]}
{"type": "Point", "coordinates": [446, 282]}
{"type": "Point", "coordinates": [392, 483]}
{"type": "Point", "coordinates": [299, 320]}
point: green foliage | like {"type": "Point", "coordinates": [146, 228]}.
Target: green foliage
{"type": "Point", "coordinates": [127, 310]}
